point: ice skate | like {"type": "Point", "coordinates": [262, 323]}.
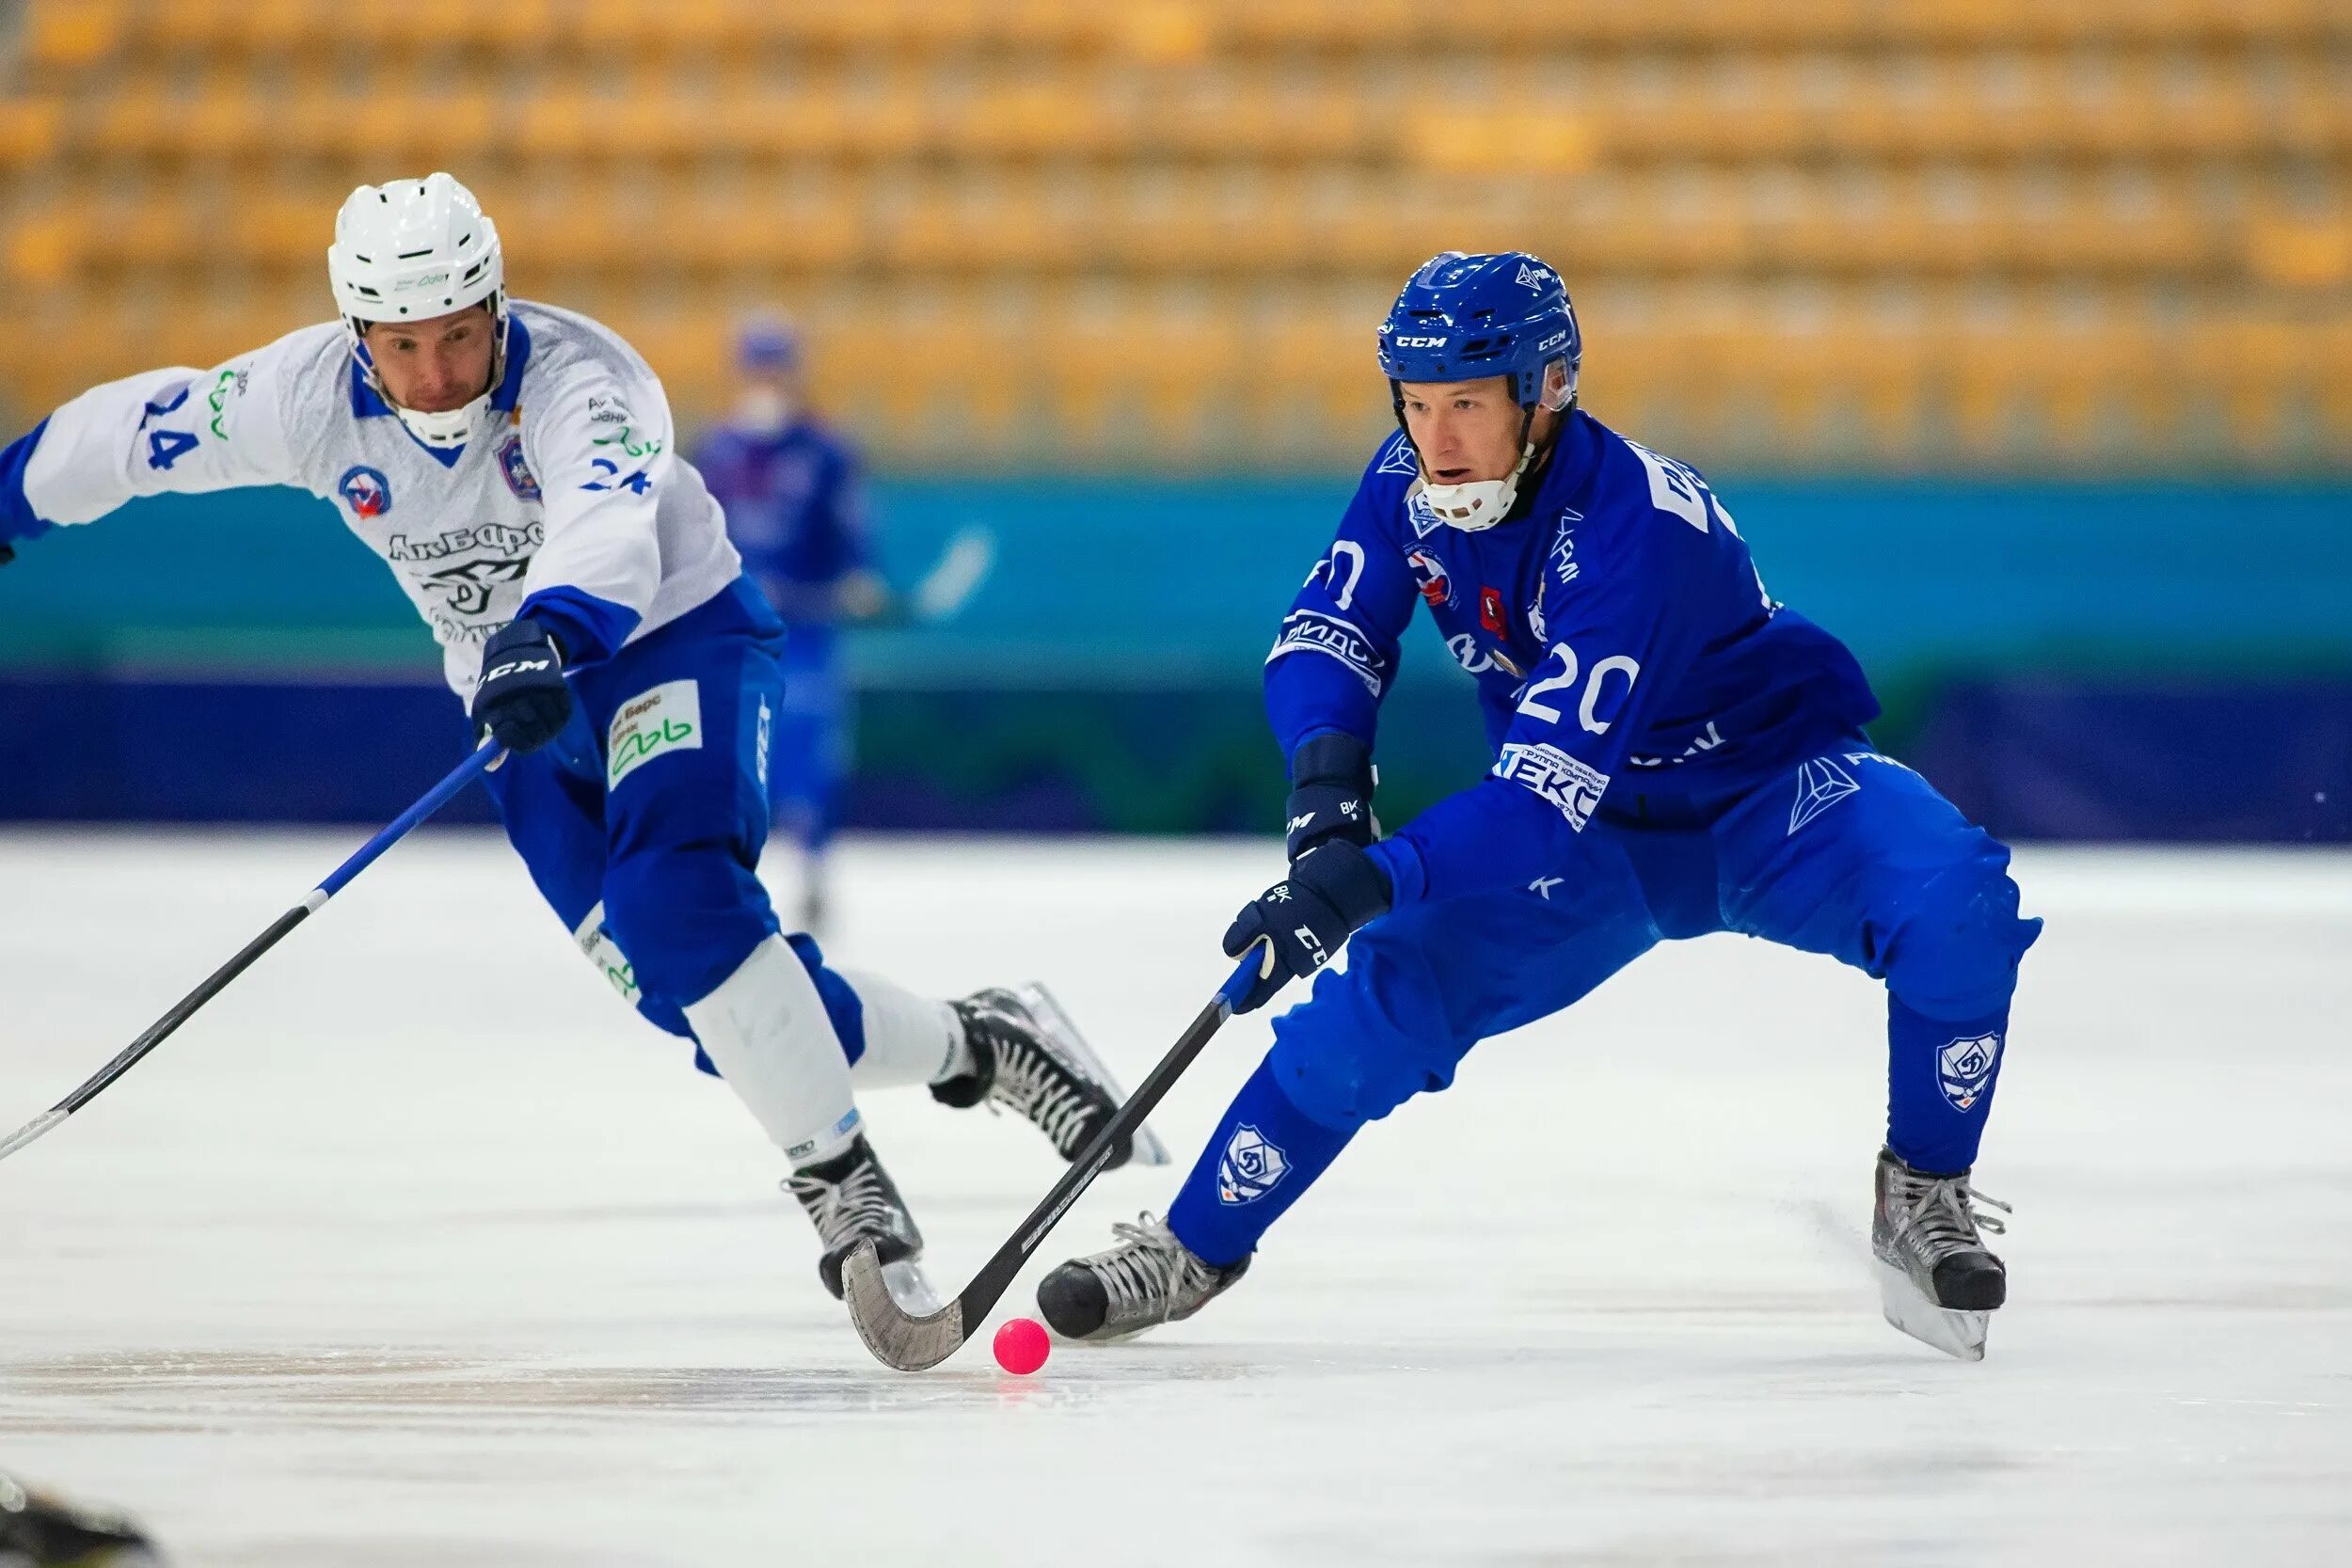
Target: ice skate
{"type": "Point", "coordinates": [1149, 1278]}
{"type": "Point", "coordinates": [1028, 1057]}
{"type": "Point", "coordinates": [1937, 1281]}
{"type": "Point", "coordinates": [851, 1198]}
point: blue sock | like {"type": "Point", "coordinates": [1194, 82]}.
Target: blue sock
{"type": "Point", "coordinates": [1263, 1155]}
{"type": "Point", "coordinates": [1940, 1075]}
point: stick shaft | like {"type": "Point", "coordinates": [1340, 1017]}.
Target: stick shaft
{"type": "Point", "coordinates": [990, 1284]}
{"type": "Point", "coordinates": [214, 983]}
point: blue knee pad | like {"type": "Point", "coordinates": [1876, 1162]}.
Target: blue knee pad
{"type": "Point", "coordinates": [1956, 950]}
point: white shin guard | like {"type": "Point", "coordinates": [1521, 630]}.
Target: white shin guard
{"type": "Point", "coordinates": [766, 1030]}
{"type": "Point", "coordinates": [909, 1038]}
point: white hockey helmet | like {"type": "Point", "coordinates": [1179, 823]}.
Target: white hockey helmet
{"type": "Point", "coordinates": [411, 251]}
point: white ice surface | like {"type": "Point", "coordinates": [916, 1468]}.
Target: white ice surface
{"type": "Point", "coordinates": [415, 1248]}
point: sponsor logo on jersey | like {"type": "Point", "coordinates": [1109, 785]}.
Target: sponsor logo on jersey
{"type": "Point", "coordinates": [1536, 617]}
{"type": "Point", "coordinates": [1964, 1069]}
{"type": "Point", "coordinates": [1820, 785]}
{"type": "Point", "coordinates": [1398, 458]}
{"type": "Point", "coordinates": [1435, 587]}
{"type": "Point", "coordinates": [1311, 631]}
{"type": "Point", "coordinates": [1571, 785]}
{"type": "Point", "coordinates": [469, 584]}
{"type": "Point", "coordinates": [1468, 654]}
{"type": "Point", "coordinates": [1563, 564]}
{"type": "Point", "coordinates": [365, 490]}
{"type": "Point", "coordinates": [1250, 1167]}
{"type": "Point", "coordinates": [229, 383]}
{"type": "Point", "coordinates": [667, 718]}
{"type": "Point", "coordinates": [502, 537]}
{"type": "Point", "coordinates": [519, 478]}
{"type": "Point", "coordinates": [596, 943]}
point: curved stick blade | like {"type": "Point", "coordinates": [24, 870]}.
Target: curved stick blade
{"type": "Point", "coordinates": [896, 1337]}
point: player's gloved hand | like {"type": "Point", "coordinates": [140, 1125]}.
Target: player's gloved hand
{"type": "Point", "coordinates": [1332, 892]}
{"type": "Point", "coordinates": [1331, 782]}
{"type": "Point", "coordinates": [522, 701]}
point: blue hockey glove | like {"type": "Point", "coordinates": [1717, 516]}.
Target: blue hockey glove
{"type": "Point", "coordinates": [1332, 892]}
{"type": "Point", "coordinates": [1331, 782]}
{"type": "Point", "coordinates": [522, 701]}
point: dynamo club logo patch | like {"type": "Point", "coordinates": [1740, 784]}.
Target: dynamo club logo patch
{"type": "Point", "coordinates": [519, 478]}
{"type": "Point", "coordinates": [365, 490]}
{"type": "Point", "coordinates": [1965, 1069]}
{"type": "Point", "coordinates": [1251, 1168]}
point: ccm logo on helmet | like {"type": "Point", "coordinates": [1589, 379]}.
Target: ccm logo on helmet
{"type": "Point", "coordinates": [1420, 343]}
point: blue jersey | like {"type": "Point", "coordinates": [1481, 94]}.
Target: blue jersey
{"type": "Point", "coordinates": [794, 509]}
{"type": "Point", "coordinates": [1621, 639]}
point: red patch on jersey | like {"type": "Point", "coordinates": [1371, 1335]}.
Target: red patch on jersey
{"type": "Point", "coordinates": [1490, 611]}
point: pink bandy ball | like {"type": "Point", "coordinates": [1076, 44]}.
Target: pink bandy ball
{"type": "Point", "coordinates": [1022, 1346]}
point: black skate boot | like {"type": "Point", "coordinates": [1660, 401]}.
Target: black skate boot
{"type": "Point", "coordinates": [851, 1198]}
{"type": "Point", "coordinates": [37, 1530]}
{"type": "Point", "coordinates": [1149, 1278]}
{"type": "Point", "coordinates": [1026, 1055]}
{"type": "Point", "coordinates": [1937, 1281]}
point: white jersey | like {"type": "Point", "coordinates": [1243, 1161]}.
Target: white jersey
{"type": "Point", "coordinates": [577, 487]}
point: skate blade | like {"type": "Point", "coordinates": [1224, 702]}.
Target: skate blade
{"type": "Point", "coordinates": [1149, 1150]}
{"type": "Point", "coordinates": [1956, 1334]}
{"type": "Point", "coordinates": [910, 1289]}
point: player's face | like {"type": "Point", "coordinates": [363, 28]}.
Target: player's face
{"type": "Point", "coordinates": [435, 366]}
{"type": "Point", "coordinates": [1465, 430]}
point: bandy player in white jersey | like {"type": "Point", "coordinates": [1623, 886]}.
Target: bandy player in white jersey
{"type": "Point", "coordinates": [514, 465]}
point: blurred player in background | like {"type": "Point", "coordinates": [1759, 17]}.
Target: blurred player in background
{"type": "Point", "coordinates": [795, 508]}
{"type": "Point", "coordinates": [512, 464]}
{"type": "Point", "coordinates": [1676, 754]}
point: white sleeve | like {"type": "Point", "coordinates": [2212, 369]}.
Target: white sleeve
{"type": "Point", "coordinates": [175, 431]}
{"type": "Point", "coordinates": [601, 448]}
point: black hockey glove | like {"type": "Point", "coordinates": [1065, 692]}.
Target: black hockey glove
{"type": "Point", "coordinates": [1332, 892]}
{"type": "Point", "coordinates": [522, 701]}
{"type": "Point", "coordinates": [1331, 794]}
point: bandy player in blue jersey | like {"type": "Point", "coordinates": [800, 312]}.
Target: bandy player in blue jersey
{"type": "Point", "coordinates": [1674, 753]}
{"type": "Point", "coordinates": [794, 500]}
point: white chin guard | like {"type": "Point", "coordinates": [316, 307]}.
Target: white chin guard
{"type": "Point", "coordinates": [444, 431]}
{"type": "Point", "coordinates": [1479, 503]}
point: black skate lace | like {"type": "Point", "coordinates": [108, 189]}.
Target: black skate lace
{"type": "Point", "coordinates": [1151, 1270]}
{"type": "Point", "coordinates": [1943, 1216]}
{"type": "Point", "coordinates": [1033, 1082]}
{"type": "Point", "coordinates": [857, 1205]}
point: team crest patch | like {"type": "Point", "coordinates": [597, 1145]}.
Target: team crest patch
{"type": "Point", "coordinates": [519, 478]}
{"type": "Point", "coordinates": [667, 718]}
{"type": "Point", "coordinates": [1965, 1069]}
{"type": "Point", "coordinates": [365, 490]}
{"type": "Point", "coordinates": [1251, 1168]}
{"type": "Point", "coordinates": [1820, 785]}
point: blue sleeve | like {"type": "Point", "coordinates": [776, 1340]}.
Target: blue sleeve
{"type": "Point", "coordinates": [1336, 654]}
{"type": "Point", "coordinates": [588, 630]}
{"type": "Point", "coordinates": [17, 519]}
{"type": "Point", "coordinates": [1618, 644]}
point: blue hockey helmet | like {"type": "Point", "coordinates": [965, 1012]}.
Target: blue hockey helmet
{"type": "Point", "coordinates": [767, 343]}
{"type": "Point", "coordinates": [1461, 318]}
